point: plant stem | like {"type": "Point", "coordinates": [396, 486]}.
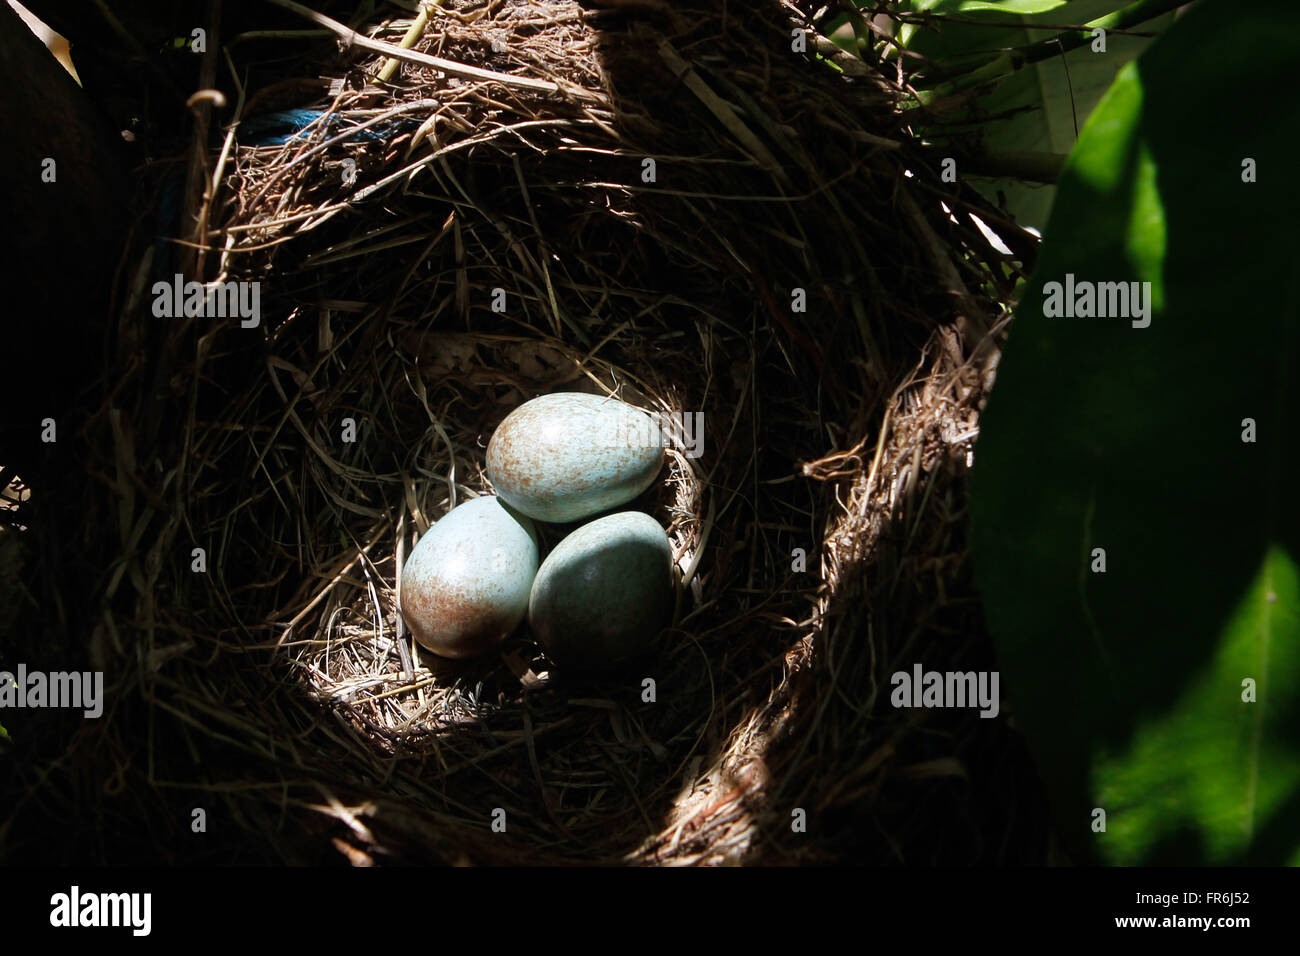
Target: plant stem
{"type": "Point", "coordinates": [413, 33]}
{"type": "Point", "coordinates": [1027, 164]}
{"type": "Point", "coordinates": [1007, 62]}
{"type": "Point", "coordinates": [861, 32]}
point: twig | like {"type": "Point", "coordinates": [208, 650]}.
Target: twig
{"type": "Point", "coordinates": [201, 104]}
{"type": "Point", "coordinates": [722, 111]}
{"type": "Point", "coordinates": [352, 38]}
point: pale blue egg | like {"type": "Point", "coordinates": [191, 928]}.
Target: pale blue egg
{"type": "Point", "coordinates": [466, 583]}
{"type": "Point", "coordinates": [604, 593]}
{"type": "Point", "coordinates": [569, 455]}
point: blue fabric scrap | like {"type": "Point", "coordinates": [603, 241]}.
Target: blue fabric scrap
{"type": "Point", "coordinates": [276, 129]}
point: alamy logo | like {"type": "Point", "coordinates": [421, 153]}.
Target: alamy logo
{"type": "Point", "coordinates": [922, 688]}
{"type": "Point", "coordinates": [684, 430]}
{"type": "Point", "coordinates": [220, 300]}
{"type": "Point", "coordinates": [75, 908]}
{"type": "Point", "coordinates": [1100, 300]}
{"type": "Point", "coordinates": [79, 691]}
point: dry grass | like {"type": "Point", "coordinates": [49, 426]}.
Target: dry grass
{"type": "Point", "coordinates": [842, 432]}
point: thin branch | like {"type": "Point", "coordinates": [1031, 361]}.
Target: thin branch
{"type": "Point", "coordinates": [350, 37]}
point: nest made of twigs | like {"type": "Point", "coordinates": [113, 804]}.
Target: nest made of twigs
{"type": "Point", "coordinates": [791, 270]}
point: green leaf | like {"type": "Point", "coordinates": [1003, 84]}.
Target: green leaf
{"type": "Point", "coordinates": [1197, 767]}
{"type": "Point", "coordinates": [947, 41]}
{"type": "Point", "coordinates": [1128, 683]}
{"type": "Point", "coordinates": [1049, 95]}
{"type": "Point", "coordinates": [1001, 6]}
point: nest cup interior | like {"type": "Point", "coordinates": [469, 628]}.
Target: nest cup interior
{"type": "Point", "coordinates": [769, 270]}
{"type": "Point", "coordinates": [364, 626]}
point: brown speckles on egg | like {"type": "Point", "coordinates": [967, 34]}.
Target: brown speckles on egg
{"type": "Point", "coordinates": [570, 455]}
{"type": "Point", "coordinates": [465, 586]}
{"type": "Point", "coordinates": [453, 623]}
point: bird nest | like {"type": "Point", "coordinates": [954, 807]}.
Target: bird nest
{"type": "Point", "coordinates": [665, 205]}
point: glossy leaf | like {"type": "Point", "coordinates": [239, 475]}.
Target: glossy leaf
{"type": "Point", "coordinates": [1106, 442]}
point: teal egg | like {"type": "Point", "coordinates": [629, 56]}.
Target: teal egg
{"type": "Point", "coordinates": [466, 584]}
{"type": "Point", "coordinates": [569, 455]}
{"type": "Point", "coordinates": [604, 593]}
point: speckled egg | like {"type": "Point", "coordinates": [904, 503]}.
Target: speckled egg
{"type": "Point", "coordinates": [466, 583]}
{"type": "Point", "coordinates": [569, 455]}
{"type": "Point", "coordinates": [604, 593]}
